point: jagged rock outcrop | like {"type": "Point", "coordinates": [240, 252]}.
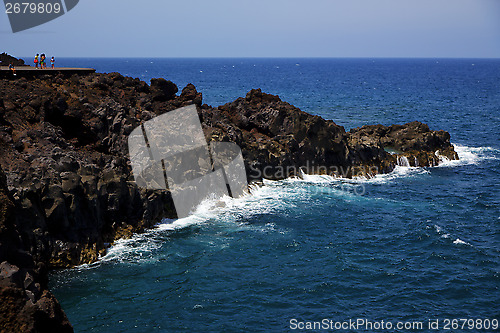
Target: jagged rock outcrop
{"type": "Point", "coordinates": [6, 60]}
{"type": "Point", "coordinates": [415, 141]}
{"type": "Point", "coordinates": [276, 138]}
{"type": "Point", "coordinates": [64, 149]}
{"type": "Point", "coordinates": [26, 305]}
{"type": "Point", "coordinates": [69, 192]}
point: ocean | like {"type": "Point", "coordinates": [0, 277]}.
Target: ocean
{"type": "Point", "coordinates": [418, 246]}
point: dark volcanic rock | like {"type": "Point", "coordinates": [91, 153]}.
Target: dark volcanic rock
{"type": "Point", "coordinates": [64, 150]}
{"type": "Point", "coordinates": [68, 189]}
{"type": "Point", "coordinates": [414, 140]}
{"type": "Point", "coordinates": [163, 90]}
{"type": "Point", "coordinates": [6, 60]}
{"type": "Point", "coordinates": [276, 138]}
{"type": "Point", "coordinates": [25, 303]}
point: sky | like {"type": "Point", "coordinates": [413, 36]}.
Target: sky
{"type": "Point", "coordinates": [265, 28]}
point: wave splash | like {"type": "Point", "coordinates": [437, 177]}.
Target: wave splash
{"type": "Point", "coordinates": [470, 156]}
{"type": "Point", "coordinates": [274, 197]}
{"type": "Point", "coordinates": [226, 211]}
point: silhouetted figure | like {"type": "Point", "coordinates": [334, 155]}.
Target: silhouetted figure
{"type": "Point", "coordinates": [12, 68]}
{"type": "Point", "coordinates": [42, 61]}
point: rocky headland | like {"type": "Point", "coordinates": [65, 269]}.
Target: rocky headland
{"type": "Point", "coordinates": [67, 190]}
{"type": "Point", "coordinates": [6, 60]}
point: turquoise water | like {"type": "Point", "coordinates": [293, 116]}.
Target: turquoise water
{"type": "Point", "coordinates": [413, 245]}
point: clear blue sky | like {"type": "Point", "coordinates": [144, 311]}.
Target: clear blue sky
{"type": "Point", "coordinates": [265, 28]}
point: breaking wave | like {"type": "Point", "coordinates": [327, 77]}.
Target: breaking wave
{"type": "Point", "coordinates": [275, 197]}
{"type": "Point", "coordinates": [470, 156]}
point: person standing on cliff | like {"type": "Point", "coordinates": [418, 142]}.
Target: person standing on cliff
{"type": "Point", "coordinates": [36, 61]}
{"type": "Point", "coordinates": [52, 62]}
{"type": "Point", "coordinates": [42, 61]}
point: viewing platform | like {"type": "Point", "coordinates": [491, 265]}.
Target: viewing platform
{"type": "Point", "coordinates": [28, 71]}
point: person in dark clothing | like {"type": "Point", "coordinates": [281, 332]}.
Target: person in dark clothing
{"type": "Point", "coordinates": [12, 68]}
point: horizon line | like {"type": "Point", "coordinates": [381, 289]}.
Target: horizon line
{"type": "Point", "coordinates": [270, 57]}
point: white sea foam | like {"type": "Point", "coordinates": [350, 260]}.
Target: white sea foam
{"type": "Point", "coordinates": [398, 172]}
{"type": "Point", "coordinates": [467, 155]}
{"type": "Point", "coordinates": [470, 155]}
{"type": "Point", "coordinates": [206, 210]}
{"type": "Point", "coordinates": [313, 179]}
{"type": "Point", "coordinates": [403, 161]}
{"type": "Point", "coordinates": [261, 199]}
{"type": "Point", "coordinates": [460, 242]}
{"type": "Point", "coordinates": [440, 231]}
{"type": "Point", "coordinates": [273, 197]}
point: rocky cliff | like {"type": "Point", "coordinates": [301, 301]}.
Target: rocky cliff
{"type": "Point", "coordinates": [66, 186]}
{"type": "Point", "coordinates": [6, 60]}
{"type": "Point", "coordinates": [278, 139]}
{"type": "Point", "coordinates": [26, 304]}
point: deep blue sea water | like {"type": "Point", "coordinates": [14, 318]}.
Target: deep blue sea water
{"type": "Point", "coordinates": [413, 245]}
